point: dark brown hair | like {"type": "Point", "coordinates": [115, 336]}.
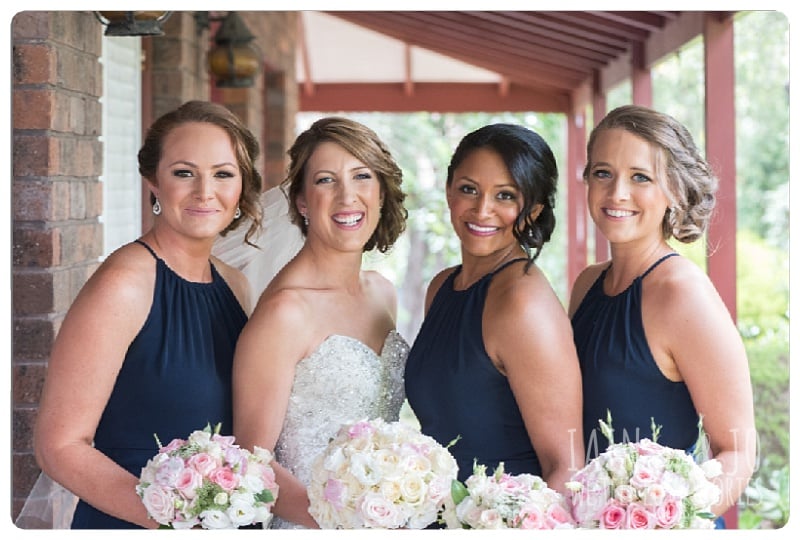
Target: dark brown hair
{"type": "Point", "coordinates": [244, 142]}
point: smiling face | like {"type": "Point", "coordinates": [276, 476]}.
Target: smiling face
{"type": "Point", "coordinates": [198, 181]}
{"type": "Point", "coordinates": [341, 198]}
{"type": "Point", "coordinates": [484, 204]}
{"type": "Point", "coordinates": [625, 197]}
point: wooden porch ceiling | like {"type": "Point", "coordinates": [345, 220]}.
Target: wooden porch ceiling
{"type": "Point", "coordinates": [530, 60]}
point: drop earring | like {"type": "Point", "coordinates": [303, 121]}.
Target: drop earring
{"type": "Point", "coordinates": [238, 213]}
{"type": "Point", "coordinates": [157, 208]}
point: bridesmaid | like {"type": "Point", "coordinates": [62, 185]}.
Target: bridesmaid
{"type": "Point", "coordinates": [494, 364]}
{"type": "Point", "coordinates": [147, 346]}
{"type": "Point", "coordinates": [655, 341]}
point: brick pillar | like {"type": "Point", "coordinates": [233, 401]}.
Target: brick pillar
{"type": "Point", "coordinates": [57, 161]}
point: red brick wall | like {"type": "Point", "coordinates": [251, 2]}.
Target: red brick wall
{"type": "Point", "coordinates": [57, 161]}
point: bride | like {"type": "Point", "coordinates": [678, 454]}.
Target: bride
{"type": "Point", "coordinates": [321, 348]}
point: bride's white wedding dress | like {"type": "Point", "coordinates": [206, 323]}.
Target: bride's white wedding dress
{"type": "Point", "coordinates": [342, 381]}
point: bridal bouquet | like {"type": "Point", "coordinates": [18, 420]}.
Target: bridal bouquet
{"type": "Point", "coordinates": [644, 485]}
{"type": "Point", "coordinates": [377, 474]}
{"type": "Point", "coordinates": [208, 481]}
{"type": "Point", "coordinates": [505, 501]}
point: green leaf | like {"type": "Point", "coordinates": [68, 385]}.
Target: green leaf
{"type": "Point", "coordinates": [458, 491]}
{"type": "Point", "coordinates": [265, 496]}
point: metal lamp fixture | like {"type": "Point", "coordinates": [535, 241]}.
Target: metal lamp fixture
{"type": "Point", "coordinates": [133, 23]}
{"type": "Point", "coordinates": [233, 61]}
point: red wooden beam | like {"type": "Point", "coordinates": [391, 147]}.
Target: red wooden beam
{"type": "Point", "coordinates": [435, 97]}
{"type": "Point", "coordinates": [721, 154]}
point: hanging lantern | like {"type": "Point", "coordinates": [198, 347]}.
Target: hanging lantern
{"type": "Point", "coordinates": [133, 23]}
{"type": "Point", "coordinates": [233, 61]}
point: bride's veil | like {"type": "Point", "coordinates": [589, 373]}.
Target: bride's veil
{"type": "Point", "coordinates": [49, 506]}
{"type": "Point", "coordinates": [278, 242]}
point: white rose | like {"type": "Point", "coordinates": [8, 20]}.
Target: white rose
{"type": "Point", "coordinates": [380, 513]}
{"type": "Point", "coordinates": [413, 488]}
{"type": "Point", "coordinates": [467, 512]}
{"type": "Point", "coordinates": [252, 483]}
{"type": "Point", "coordinates": [262, 455]}
{"type": "Point", "coordinates": [242, 498]}
{"type": "Point", "coordinates": [706, 495]}
{"type": "Point", "coordinates": [390, 489]}
{"type": "Point", "coordinates": [215, 519]}
{"type": "Point", "coordinates": [387, 463]}
{"type": "Point", "coordinates": [675, 484]}
{"type": "Point", "coordinates": [423, 517]}
{"type": "Point", "coordinates": [491, 519]}
{"type": "Point", "coordinates": [241, 512]}
{"type": "Point", "coordinates": [712, 468]}
{"type": "Point", "coordinates": [363, 468]}
{"type": "Point", "coordinates": [334, 460]}
{"type": "Point", "coordinates": [159, 504]}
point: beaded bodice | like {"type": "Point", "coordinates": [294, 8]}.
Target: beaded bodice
{"type": "Point", "coordinates": [343, 380]}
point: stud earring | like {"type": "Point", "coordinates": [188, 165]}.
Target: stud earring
{"type": "Point", "coordinates": [238, 213]}
{"type": "Point", "coordinates": [157, 208]}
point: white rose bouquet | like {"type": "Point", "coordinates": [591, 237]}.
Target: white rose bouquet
{"type": "Point", "coordinates": [644, 485]}
{"type": "Point", "coordinates": [208, 481]}
{"type": "Point", "coordinates": [505, 501]}
{"type": "Point", "coordinates": [377, 474]}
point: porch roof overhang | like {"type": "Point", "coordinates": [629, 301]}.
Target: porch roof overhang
{"type": "Point", "coordinates": [461, 61]}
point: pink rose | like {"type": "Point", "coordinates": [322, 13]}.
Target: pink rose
{"type": "Point", "coordinates": [173, 445]}
{"type": "Point", "coordinates": [643, 476]}
{"type": "Point", "coordinates": [638, 517]}
{"type": "Point", "coordinates": [189, 480]}
{"type": "Point", "coordinates": [168, 471]}
{"type": "Point", "coordinates": [333, 492]}
{"type": "Point", "coordinates": [531, 517]}
{"type": "Point", "coordinates": [612, 515]}
{"type": "Point", "coordinates": [646, 447]}
{"type": "Point", "coordinates": [557, 516]}
{"type": "Point", "coordinates": [159, 504]}
{"type": "Point", "coordinates": [224, 478]}
{"type": "Point", "coordinates": [511, 484]}
{"type": "Point", "coordinates": [203, 463]}
{"type": "Point", "coordinates": [668, 513]}
{"type": "Point", "coordinates": [225, 441]}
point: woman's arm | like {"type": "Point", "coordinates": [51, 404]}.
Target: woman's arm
{"type": "Point", "coordinates": [526, 329]}
{"type": "Point", "coordinates": [86, 358]}
{"type": "Point", "coordinates": [269, 347]}
{"type": "Point", "coordinates": [696, 331]}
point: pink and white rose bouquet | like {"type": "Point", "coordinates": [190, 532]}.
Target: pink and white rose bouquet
{"type": "Point", "coordinates": [382, 475]}
{"type": "Point", "coordinates": [644, 485]}
{"type": "Point", "coordinates": [208, 481]}
{"type": "Point", "coordinates": [505, 501]}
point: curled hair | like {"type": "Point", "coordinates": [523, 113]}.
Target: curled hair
{"type": "Point", "coordinates": [245, 146]}
{"type": "Point", "coordinates": [689, 183]}
{"type": "Point", "coordinates": [531, 164]}
{"type": "Point", "coordinates": [364, 145]}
